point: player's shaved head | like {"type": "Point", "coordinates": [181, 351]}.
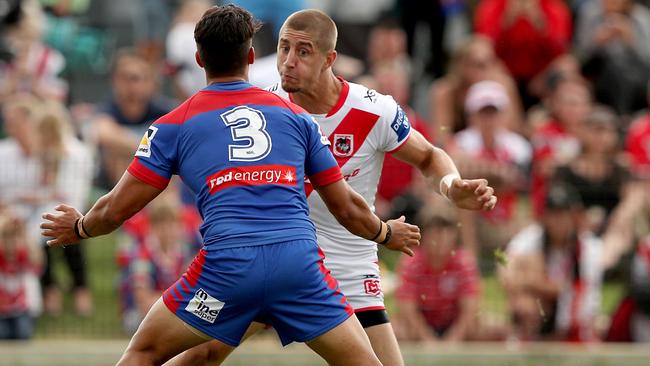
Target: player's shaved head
{"type": "Point", "coordinates": [316, 23]}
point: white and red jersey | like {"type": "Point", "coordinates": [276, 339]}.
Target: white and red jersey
{"type": "Point", "coordinates": [362, 127]}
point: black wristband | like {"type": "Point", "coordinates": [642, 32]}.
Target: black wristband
{"type": "Point", "coordinates": [83, 228]}
{"type": "Point", "coordinates": [387, 238]}
{"type": "Point", "coordinates": [76, 228]}
{"type": "Point", "coordinates": [378, 232]}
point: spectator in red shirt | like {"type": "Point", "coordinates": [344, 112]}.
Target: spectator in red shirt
{"type": "Point", "coordinates": [437, 298]}
{"type": "Point", "coordinates": [556, 142]}
{"type": "Point", "coordinates": [156, 260]}
{"type": "Point", "coordinates": [528, 34]}
{"type": "Point", "coordinates": [637, 143]}
{"type": "Point", "coordinates": [18, 261]}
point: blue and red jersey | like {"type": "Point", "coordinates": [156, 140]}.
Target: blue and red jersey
{"type": "Point", "coordinates": [243, 151]}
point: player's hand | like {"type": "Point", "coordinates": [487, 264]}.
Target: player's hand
{"type": "Point", "coordinates": [472, 194]}
{"type": "Point", "coordinates": [60, 226]}
{"type": "Point", "coordinates": [403, 236]}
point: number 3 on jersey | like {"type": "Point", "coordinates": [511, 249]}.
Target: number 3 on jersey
{"type": "Point", "coordinates": [247, 125]}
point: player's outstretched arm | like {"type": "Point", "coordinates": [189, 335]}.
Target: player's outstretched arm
{"type": "Point", "coordinates": [68, 226]}
{"type": "Point", "coordinates": [433, 162]}
{"type": "Point", "coordinates": [352, 211]}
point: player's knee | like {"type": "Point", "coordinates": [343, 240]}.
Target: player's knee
{"type": "Point", "coordinates": [137, 358]}
{"type": "Point", "coordinates": [207, 354]}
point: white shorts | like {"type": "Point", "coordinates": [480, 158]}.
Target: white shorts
{"type": "Point", "coordinates": [360, 282]}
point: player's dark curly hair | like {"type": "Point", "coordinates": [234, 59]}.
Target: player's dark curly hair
{"type": "Point", "coordinates": [223, 37]}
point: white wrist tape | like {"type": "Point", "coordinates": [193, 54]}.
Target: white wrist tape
{"type": "Point", "coordinates": [446, 182]}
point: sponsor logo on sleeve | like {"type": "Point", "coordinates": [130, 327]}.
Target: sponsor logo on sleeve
{"type": "Point", "coordinates": [400, 125]}
{"type": "Point", "coordinates": [343, 145]}
{"type": "Point", "coordinates": [205, 306]}
{"type": "Point", "coordinates": [144, 149]}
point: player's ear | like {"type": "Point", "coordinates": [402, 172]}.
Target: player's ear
{"type": "Point", "coordinates": [251, 55]}
{"type": "Point", "coordinates": [197, 57]}
{"type": "Point", "coordinates": [330, 58]}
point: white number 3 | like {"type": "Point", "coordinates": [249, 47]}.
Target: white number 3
{"type": "Point", "coordinates": [247, 125]}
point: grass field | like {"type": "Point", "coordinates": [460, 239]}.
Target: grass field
{"type": "Point", "coordinates": [98, 340]}
{"type": "Point", "coordinates": [267, 351]}
{"type": "Point", "coordinates": [106, 324]}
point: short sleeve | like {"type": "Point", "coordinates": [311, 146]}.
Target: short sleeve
{"type": "Point", "coordinates": [156, 157]}
{"type": "Point", "coordinates": [320, 166]}
{"type": "Point", "coordinates": [395, 127]}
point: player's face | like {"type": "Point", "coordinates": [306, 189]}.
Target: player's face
{"type": "Point", "coordinates": [300, 62]}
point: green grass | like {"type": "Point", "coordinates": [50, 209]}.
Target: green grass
{"type": "Point", "coordinates": [105, 322]}
{"type": "Point", "coordinates": [102, 276]}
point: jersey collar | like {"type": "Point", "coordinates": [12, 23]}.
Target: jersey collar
{"type": "Point", "coordinates": [228, 86]}
{"type": "Point", "coordinates": [342, 97]}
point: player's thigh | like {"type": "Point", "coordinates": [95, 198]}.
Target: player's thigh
{"type": "Point", "coordinates": [211, 353]}
{"type": "Point", "coordinates": [384, 344]}
{"type": "Point", "coordinates": [161, 335]}
{"type": "Point", "coordinates": [346, 344]}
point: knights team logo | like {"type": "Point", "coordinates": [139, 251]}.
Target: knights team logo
{"type": "Point", "coordinates": [343, 145]}
{"type": "Point", "coordinates": [144, 149]}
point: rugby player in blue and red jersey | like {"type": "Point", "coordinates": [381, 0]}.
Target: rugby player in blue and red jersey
{"type": "Point", "coordinates": [244, 153]}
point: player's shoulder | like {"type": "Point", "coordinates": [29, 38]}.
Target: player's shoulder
{"type": "Point", "coordinates": [282, 96]}
{"type": "Point", "coordinates": [277, 90]}
{"type": "Point", "coordinates": [369, 100]}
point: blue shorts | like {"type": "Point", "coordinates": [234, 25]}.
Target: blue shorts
{"type": "Point", "coordinates": [285, 285]}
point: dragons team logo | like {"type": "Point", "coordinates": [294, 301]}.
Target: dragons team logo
{"type": "Point", "coordinates": [343, 145]}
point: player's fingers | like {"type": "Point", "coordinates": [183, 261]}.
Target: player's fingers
{"type": "Point", "coordinates": [47, 225]}
{"type": "Point", "coordinates": [490, 204]}
{"type": "Point", "coordinates": [408, 251]}
{"type": "Point", "coordinates": [48, 233]}
{"type": "Point", "coordinates": [401, 219]}
{"type": "Point", "coordinates": [63, 208]}
{"type": "Point", "coordinates": [489, 192]}
{"type": "Point", "coordinates": [55, 242]}
{"type": "Point", "coordinates": [48, 216]}
{"type": "Point", "coordinates": [482, 186]}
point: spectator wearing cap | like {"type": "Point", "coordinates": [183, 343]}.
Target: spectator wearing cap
{"type": "Point", "coordinates": [553, 274]}
{"type": "Point", "coordinates": [437, 298]}
{"type": "Point", "coordinates": [488, 149]}
{"type": "Point", "coordinates": [556, 142]}
{"type": "Point", "coordinates": [597, 172]}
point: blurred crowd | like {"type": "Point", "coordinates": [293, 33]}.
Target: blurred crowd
{"type": "Point", "coordinates": [547, 99]}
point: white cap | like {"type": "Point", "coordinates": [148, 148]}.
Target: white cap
{"type": "Point", "coordinates": [486, 94]}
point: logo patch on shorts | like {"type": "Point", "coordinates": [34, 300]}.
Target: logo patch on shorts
{"type": "Point", "coordinates": [144, 149]}
{"type": "Point", "coordinates": [372, 287]}
{"type": "Point", "coordinates": [205, 306]}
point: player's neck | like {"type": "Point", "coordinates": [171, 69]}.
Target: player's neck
{"type": "Point", "coordinates": [322, 97]}
{"type": "Point", "coordinates": [226, 79]}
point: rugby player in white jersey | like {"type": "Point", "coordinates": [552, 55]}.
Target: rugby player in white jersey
{"type": "Point", "coordinates": [362, 126]}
